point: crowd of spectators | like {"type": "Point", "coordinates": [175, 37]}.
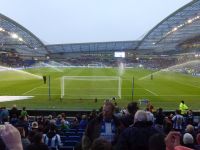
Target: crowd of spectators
{"type": "Point", "coordinates": [109, 129]}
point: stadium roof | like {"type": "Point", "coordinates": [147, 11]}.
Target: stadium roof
{"type": "Point", "coordinates": [166, 36]}
{"type": "Point", "coordinates": [14, 37]}
{"type": "Point", "coordinates": [93, 47]}
{"type": "Point", "coordinates": [180, 26]}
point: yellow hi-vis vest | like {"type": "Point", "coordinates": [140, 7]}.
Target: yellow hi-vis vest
{"type": "Point", "coordinates": [183, 108]}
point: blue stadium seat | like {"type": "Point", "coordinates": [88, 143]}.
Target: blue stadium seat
{"type": "Point", "coordinates": [70, 143]}
{"type": "Point", "coordinates": [74, 138]}
{"type": "Point", "coordinates": [80, 134]}
{"type": "Point", "coordinates": [70, 133]}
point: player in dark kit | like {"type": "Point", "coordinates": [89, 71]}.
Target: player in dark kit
{"type": "Point", "coordinates": [151, 76]}
{"type": "Point", "coordinates": [44, 79]}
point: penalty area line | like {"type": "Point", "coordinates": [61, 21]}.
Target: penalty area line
{"type": "Point", "coordinates": [31, 90]}
{"type": "Point", "coordinates": [152, 92]}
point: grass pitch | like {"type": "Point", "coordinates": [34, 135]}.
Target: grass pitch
{"type": "Point", "coordinates": [166, 90]}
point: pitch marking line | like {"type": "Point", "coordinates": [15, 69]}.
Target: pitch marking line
{"type": "Point", "coordinates": [151, 92]}
{"type": "Point", "coordinates": [31, 90]}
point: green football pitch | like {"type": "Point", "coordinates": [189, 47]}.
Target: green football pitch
{"type": "Point", "coordinates": [165, 90]}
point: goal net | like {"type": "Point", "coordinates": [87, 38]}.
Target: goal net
{"type": "Point", "coordinates": [90, 87]}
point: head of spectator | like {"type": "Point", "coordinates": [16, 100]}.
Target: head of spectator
{"type": "Point", "coordinates": [11, 137]}
{"type": "Point", "coordinates": [31, 135]}
{"type": "Point", "coordinates": [189, 112]}
{"type": "Point", "coordinates": [101, 144]}
{"type": "Point", "coordinates": [140, 116]}
{"type": "Point", "coordinates": [63, 115]}
{"type": "Point", "coordinates": [59, 117]}
{"type": "Point", "coordinates": [84, 117]}
{"type": "Point", "coordinates": [37, 138]}
{"type": "Point", "coordinates": [160, 111]}
{"type": "Point", "coordinates": [156, 142]}
{"type": "Point", "coordinates": [178, 112]}
{"type": "Point", "coordinates": [172, 140]}
{"type": "Point", "coordinates": [108, 110]}
{"type": "Point", "coordinates": [34, 125]}
{"type": "Point", "coordinates": [50, 117]}
{"type": "Point", "coordinates": [14, 106]}
{"type": "Point", "coordinates": [189, 128]}
{"type": "Point", "coordinates": [132, 107]}
{"type": "Point", "coordinates": [52, 128]}
{"type": "Point", "coordinates": [53, 121]}
{"type": "Point", "coordinates": [188, 140]}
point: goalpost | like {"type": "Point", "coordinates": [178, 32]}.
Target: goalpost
{"type": "Point", "coordinates": [90, 87]}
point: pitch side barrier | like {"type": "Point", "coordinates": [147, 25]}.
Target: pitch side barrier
{"type": "Point", "coordinates": [73, 113]}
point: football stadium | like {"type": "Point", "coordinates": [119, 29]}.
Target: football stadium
{"type": "Point", "coordinates": [112, 95]}
{"type": "Point", "coordinates": [163, 67]}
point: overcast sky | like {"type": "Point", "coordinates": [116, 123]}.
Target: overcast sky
{"type": "Point", "coordinates": [78, 21]}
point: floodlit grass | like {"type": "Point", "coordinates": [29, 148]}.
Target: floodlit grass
{"type": "Point", "coordinates": [166, 90]}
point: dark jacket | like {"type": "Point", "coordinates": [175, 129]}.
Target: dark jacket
{"type": "Point", "coordinates": [136, 137]}
{"type": "Point", "coordinates": [127, 120]}
{"type": "Point", "coordinates": [93, 130]}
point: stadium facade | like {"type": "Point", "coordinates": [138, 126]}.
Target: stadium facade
{"type": "Point", "coordinates": [177, 33]}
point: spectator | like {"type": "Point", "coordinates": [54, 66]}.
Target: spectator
{"type": "Point", "coordinates": [183, 108]}
{"type": "Point", "coordinates": [37, 143]}
{"type": "Point", "coordinates": [190, 129]}
{"type": "Point", "coordinates": [156, 142]}
{"type": "Point", "coordinates": [189, 117]}
{"type": "Point", "coordinates": [136, 137]}
{"type": "Point", "coordinates": [149, 106]}
{"type": "Point", "coordinates": [63, 127]}
{"type": "Point", "coordinates": [178, 121]}
{"type": "Point", "coordinates": [14, 120]}
{"type": "Point", "coordinates": [159, 119]}
{"type": "Point", "coordinates": [150, 116]}
{"type": "Point", "coordinates": [92, 115]}
{"type": "Point", "coordinates": [24, 112]}
{"type": "Point", "coordinates": [11, 137]}
{"type": "Point", "coordinates": [23, 122]}
{"type": "Point", "coordinates": [52, 139]}
{"type": "Point", "coordinates": [4, 115]}
{"type": "Point", "coordinates": [31, 135]}
{"type": "Point", "coordinates": [34, 126]}
{"type": "Point", "coordinates": [75, 123]}
{"type": "Point", "coordinates": [198, 142]}
{"type": "Point", "coordinates": [101, 144]}
{"type": "Point", "coordinates": [172, 140]}
{"type": "Point", "coordinates": [168, 126]}
{"type": "Point", "coordinates": [106, 126]}
{"type": "Point", "coordinates": [24, 139]}
{"type": "Point", "coordinates": [83, 122]}
{"type": "Point", "coordinates": [58, 120]}
{"type": "Point", "coordinates": [188, 140]}
{"type": "Point", "coordinates": [14, 112]}
{"type": "Point", "coordinates": [128, 118]}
